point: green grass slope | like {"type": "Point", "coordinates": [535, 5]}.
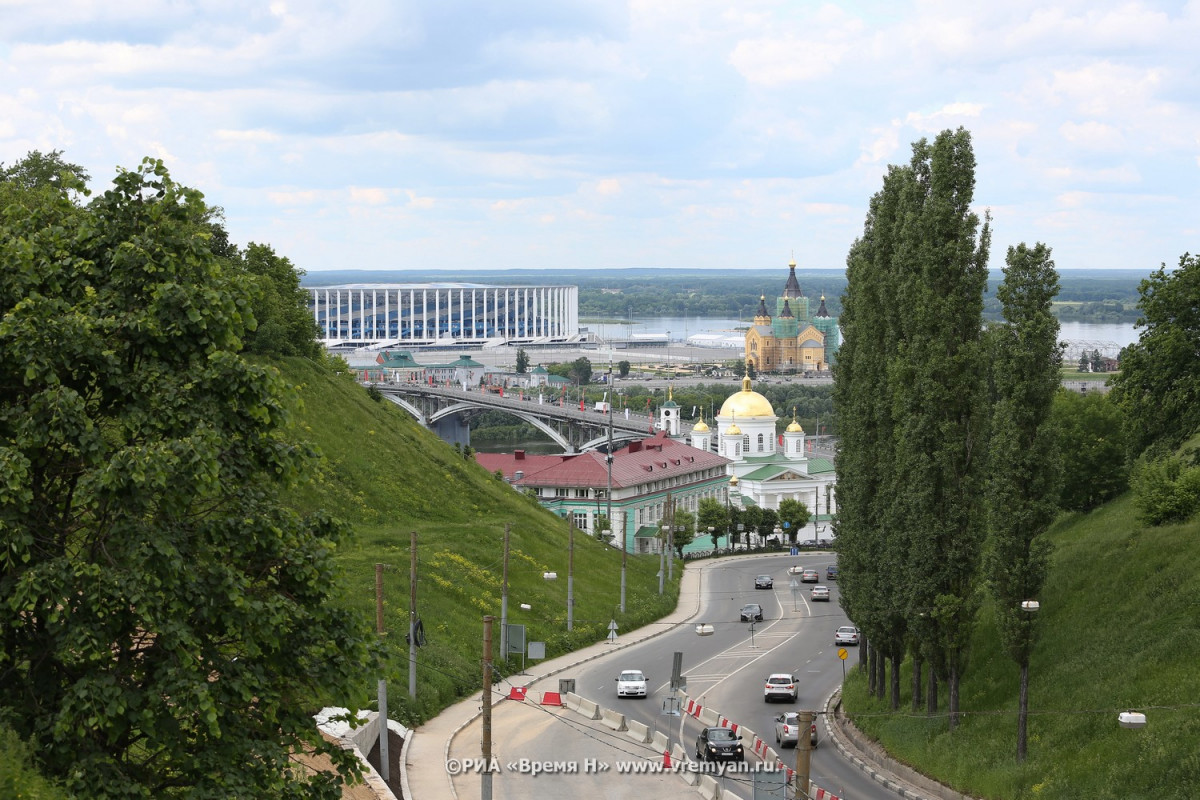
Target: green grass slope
{"type": "Point", "coordinates": [1119, 629]}
{"type": "Point", "coordinates": [387, 476]}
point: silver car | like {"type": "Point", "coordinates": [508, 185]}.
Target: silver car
{"type": "Point", "coordinates": [847, 634]}
{"type": "Point", "coordinates": [787, 730]}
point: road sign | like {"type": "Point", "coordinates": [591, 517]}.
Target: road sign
{"type": "Point", "coordinates": [612, 631]}
{"type": "Point", "coordinates": [842, 653]}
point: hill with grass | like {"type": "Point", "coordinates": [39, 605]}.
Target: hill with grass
{"type": "Point", "coordinates": [1119, 629]}
{"type": "Point", "coordinates": [387, 476]}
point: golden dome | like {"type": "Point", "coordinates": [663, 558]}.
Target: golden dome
{"type": "Point", "coordinates": [795, 426]}
{"type": "Point", "coordinates": [747, 403]}
{"type": "Point", "coordinates": [733, 430]}
{"type": "Point", "coordinates": [733, 481]}
{"type": "Point", "coordinates": [700, 427]}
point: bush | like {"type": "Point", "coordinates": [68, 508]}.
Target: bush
{"type": "Point", "coordinates": [1165, 490]}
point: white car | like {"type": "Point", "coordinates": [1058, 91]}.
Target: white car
{"type": "Point", "coordinates": [847, 634]}
{"type": "Point", "coordinates": [796, 569]}
{"type": "Point", "coordinates": [631, 683]}
{"type": "Point", "coordinates": [780, 686]}
{"type": "Point", "coordinates": [819, 593]}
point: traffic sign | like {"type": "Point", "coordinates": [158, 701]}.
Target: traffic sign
{"type": "Point", "coordinates": [842, 654]}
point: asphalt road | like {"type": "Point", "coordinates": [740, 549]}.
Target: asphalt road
{"type": "Point", "coordinates": [724, 671]}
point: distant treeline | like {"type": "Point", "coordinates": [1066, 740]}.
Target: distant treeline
{"type": "Point", "coordinates": [1108, 296]}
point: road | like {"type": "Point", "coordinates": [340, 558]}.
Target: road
{"type": "Point", "coordinates": [724, 671]}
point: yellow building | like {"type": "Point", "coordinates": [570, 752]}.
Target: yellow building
{"type": "Point", "coordinates": [794, 340]}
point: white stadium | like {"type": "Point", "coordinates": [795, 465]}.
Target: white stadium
{"type": "Point", "coordinates": [417, 314]}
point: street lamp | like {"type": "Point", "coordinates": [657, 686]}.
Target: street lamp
{"type": "Point", "coordinates": [711, 539]}
{"type": "Point", "coordinates": [663, 532]}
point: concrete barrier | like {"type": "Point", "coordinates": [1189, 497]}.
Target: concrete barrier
{"type": "Point", "coordinates": [588, 709]}
{"type": "Point", "coordinates": [748, 736]}
{"type": "Point", "coordinates": [613, 719]}
{"type": "Point", "coordinates": [708, 717]}
{"type": "Point", "coordinates": [709, 789]}
{"type": "Point", "coordinates": [678, 756]}
{"type": "Point", "coordinates": [660, 742]}
{"type": "Point", "coordinates": [769, 755]}
{"type": "Point", "coordinates": [638, 731]}
{"type": "Point", "coordinates": [570, 701]}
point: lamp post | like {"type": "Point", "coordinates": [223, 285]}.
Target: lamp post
{"type": "Point", "coordinates": [1028, 607]}
{"type": "Point", "coordinates": [711, 529]}
{"type": "Point", "coordinates": [663, 533]}
{"type": "Point", "coordinates": [608, 460]}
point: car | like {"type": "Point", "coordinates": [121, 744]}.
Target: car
{"type": "Point", "coordinates": [719, 744]}
{"type": "Point", "coordinates": [631, 683]}
{"type": "Point", "coordinates": [751, 612]}
{"type": "Point", "coordinates": [831, 572]}
{"type": "Point", "coordinates": [847, 634]}
{"type": "Point", "coordinates": [764, 582]}
{"type": "Point", "coordinates": [787, 730]}
{"type": "Point", "coordinates": [819, 594]}
{"type": "Point", "coordinates": [779, 686]}
{"type": "Point", "coordinates": [810, 576]}
{"type": "Point", "coordinates": [795, 569]}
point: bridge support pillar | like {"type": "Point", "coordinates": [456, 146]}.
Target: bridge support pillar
{"type": "Point", "coordinates": [453, 430]}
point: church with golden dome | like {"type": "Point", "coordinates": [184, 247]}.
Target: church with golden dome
{"type": "Point", "coordinates": [766, 467]}
{"type": "Point", "coordinates": [794, 340]}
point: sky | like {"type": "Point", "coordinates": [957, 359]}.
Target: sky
{"type": "Point", "coordinates": [598, 134]}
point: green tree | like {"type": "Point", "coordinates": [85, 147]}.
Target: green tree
{"type": "Point", "coordinates": [285, 323]}
{"type": "Point", "coordinates": [1023, 486]}
{"type": "Point", "coordinates": [171, 626]}
{"type": "Point", "coordinates": [711, 513]}
{"type": "Point", "coordinates": [1090, 430]}
{"type": "Point", "coordinates": [522, 361]}
{"type": "Point", "coordinates": [581, 371]}
{"type": "Point", "coordinates": [796, 515]}
{"type": "Point", "coordinates": [684, 532]}
{"type": "Point", "coordinates": [44, 170]}
{"type": "Point", "coordinates": [623, 368]}
{"type": "Point", "coordinates": [1158, 387]}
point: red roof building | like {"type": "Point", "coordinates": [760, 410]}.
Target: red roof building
{"type": "Point", "coordinates": [644, 472]}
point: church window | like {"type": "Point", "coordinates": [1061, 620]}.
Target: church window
{"type": "Point", "coordinates": [746, 442]}
{"type": "Point", "coordinates": [760, 443]}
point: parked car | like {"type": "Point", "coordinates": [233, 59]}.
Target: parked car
{"type": "Point", "coordinates": [810, 576]}
{"type": "Point", "coordinates": [831, 572]}
{"type": "Point", "coordinates": [631, 683]}
{"type": "Point", "coordinates": [764, 582]}
{"type": "Point", "coordinates": [819, 594]}
{"type": "Point", "coordinates": [787, 730]}
{"type": "Point", "coordinates": [779, 686]}
{"type": "Point", "coordinates": [751, 612]}
{"type": "Point", "coordinates": [847, 634]}
{"type": "Point", "coordinates": [719, 744]}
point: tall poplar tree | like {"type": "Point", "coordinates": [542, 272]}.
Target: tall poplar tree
{"type": "Point", "coordinates": [1024, 468]}
{"type": "Point", "coordinates": [939, 403]}
{"type": "Point", "coordinates": [870, 550]}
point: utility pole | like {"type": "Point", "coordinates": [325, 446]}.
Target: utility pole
{"type": "Point", "coordinates": [504, 599]}
{"type": "Point", "coordinates": [571, 573]}
{"type": "Point", "coordinates": [608, 459]}
{"type": "Point", "coordinates": [412, 615]}
{"type": "Point", "coordinates": [384, 767]}
{"type": "Point", "coordinates": [803, 753]}
{"type": "Point", "coordinates": [485, 777]}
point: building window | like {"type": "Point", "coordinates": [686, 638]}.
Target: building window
{"type": "Point", "coordinates": [760, 443]}
{"type": "Point", "coordinates": [581, 492]}
{"type": "Point", "coordinates": [746, 442]}
{"type": "Point", "coordinates": [561, 492]}
{"type": "Point", "coordinates": [580, 519]}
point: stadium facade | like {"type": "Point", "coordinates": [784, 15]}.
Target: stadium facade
{"type": "Point", "coordinates": [370, 314]}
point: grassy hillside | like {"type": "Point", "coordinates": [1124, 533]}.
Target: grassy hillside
{"type": "Point", "coordinates": [388, 476]}
{"type": "Point", "coordinates": [1120, 629]}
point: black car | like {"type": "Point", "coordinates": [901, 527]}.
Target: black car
{"type": "Point", "coordinates": [764, 582]}
{"type": "Point", "coordinates": [751, 612]}
{"type": "Point", "coordinates": [719, 744]}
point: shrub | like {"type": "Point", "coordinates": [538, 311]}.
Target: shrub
{"type": "Point", "coordinates": [1165, 490]}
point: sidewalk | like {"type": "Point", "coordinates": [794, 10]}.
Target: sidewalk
{"type": "Point", "coordinates": [425, 776]}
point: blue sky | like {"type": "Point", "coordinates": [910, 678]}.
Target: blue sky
{"type": "Point", "coordinates": [444, 134]}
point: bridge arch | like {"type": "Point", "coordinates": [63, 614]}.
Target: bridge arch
{"type": "Point", "coordinates": [458, 409]}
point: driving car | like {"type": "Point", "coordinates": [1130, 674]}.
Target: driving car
{"type": "Point", "coordinates": [847, 634]}
{"type": "Point", "coordinates": [819, 593]}
{"type": "Point", "coordinates": [810, 576]}
{"type": "Point", "coordinates": [779, 686]}
{"type": "Point", "coordinates": [719, 744]}
{"type": "Point", "coordinates": [795, 569]}
{"type": "Point", "coordinates": [631, 683]}
{"type": "Point", "coordinates": [751, 612]}
{"type": "Point", "coordinates": [831, 572]}
{"type": "Point", "coordinates": [764, 582]}
{"type": "Point", "coordinates": [787, 730]}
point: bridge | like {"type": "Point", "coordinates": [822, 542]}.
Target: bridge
{"type": "Point", "coordinates": [447, 411]}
